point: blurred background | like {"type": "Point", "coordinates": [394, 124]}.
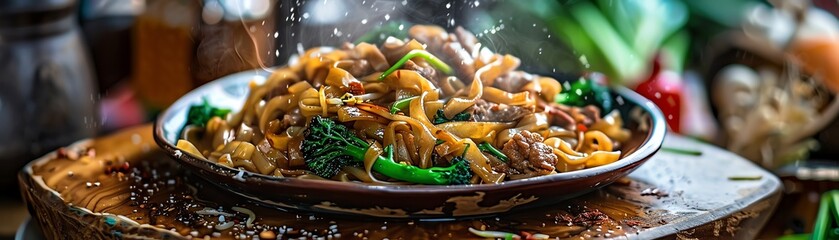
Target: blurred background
{"type": "Point", "coordinates": [756, 77]}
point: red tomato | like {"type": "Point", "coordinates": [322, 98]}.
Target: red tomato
{"type": "Point", "coordinates": [664, 88]}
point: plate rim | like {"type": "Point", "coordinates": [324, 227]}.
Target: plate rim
{"type": "Point", "coordinates": [646, 149]}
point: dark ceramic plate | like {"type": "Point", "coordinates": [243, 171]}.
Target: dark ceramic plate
{"type": "Point", "coordinates": [412, 201]}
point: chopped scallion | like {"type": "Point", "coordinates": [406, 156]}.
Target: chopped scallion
{"type": "Point", "coordinates": [681, 151]}
{"type": "Point", "coordinates": [434, 61]}
{"type": "Point", "coordinates": [401, 104]}
{"type": "Point", "coordinates": [486, 147]}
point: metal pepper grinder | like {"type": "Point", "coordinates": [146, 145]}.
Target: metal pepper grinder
{"type": "Point", "coordinates": [47, 86]}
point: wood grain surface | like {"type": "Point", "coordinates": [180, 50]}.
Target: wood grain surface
{"type": "Point", "coordinates": [122, 185]}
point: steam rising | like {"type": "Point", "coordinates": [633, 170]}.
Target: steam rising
{"type": "Point", "coordinates": [305, 24]}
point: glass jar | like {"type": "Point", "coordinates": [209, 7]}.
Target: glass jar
{"type": "Point", "coordinates": [47, 91]}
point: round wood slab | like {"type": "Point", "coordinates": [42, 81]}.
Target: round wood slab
{"type": "Point", "coordinates": [123, 186]}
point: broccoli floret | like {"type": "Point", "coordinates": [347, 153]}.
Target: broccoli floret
{"type": "Point", "coordinates": [460, 172]}
{"type": "Point", "coordinates": [440, 118]}
{"type": "Point", "coordinates": [585, 92]}
{"type": "Point", "coordinates": [198, 115]}
{"type": "Point", "coordinates": [329, 146]}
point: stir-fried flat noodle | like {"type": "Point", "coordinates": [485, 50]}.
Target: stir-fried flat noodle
{"type": "Point", "coordinates": [503, 122]}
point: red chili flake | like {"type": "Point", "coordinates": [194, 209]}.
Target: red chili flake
{"type": "Point", "coordinates": [591, 217]}
{"type": "Point", "coordinates": [565, 218]}
{"type": "Point", "coordinates": [398, 74]}
{"type": "Point", "coordinates": [632, 222]}
{"type": "Point", "coordinates": [582, 127]}
{"type": "Point", "coordinates": [62, 153]}
{"type": "Point", "coordinates": [125, 167]}
{"type": "Point", "coordinates": [356, 88]}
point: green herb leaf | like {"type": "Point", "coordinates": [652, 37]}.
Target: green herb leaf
{"type": "Point", "coordinates": [440, 118]}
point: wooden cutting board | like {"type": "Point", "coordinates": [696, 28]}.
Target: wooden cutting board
{"type": "Point", "coordinates": [123, 186]}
